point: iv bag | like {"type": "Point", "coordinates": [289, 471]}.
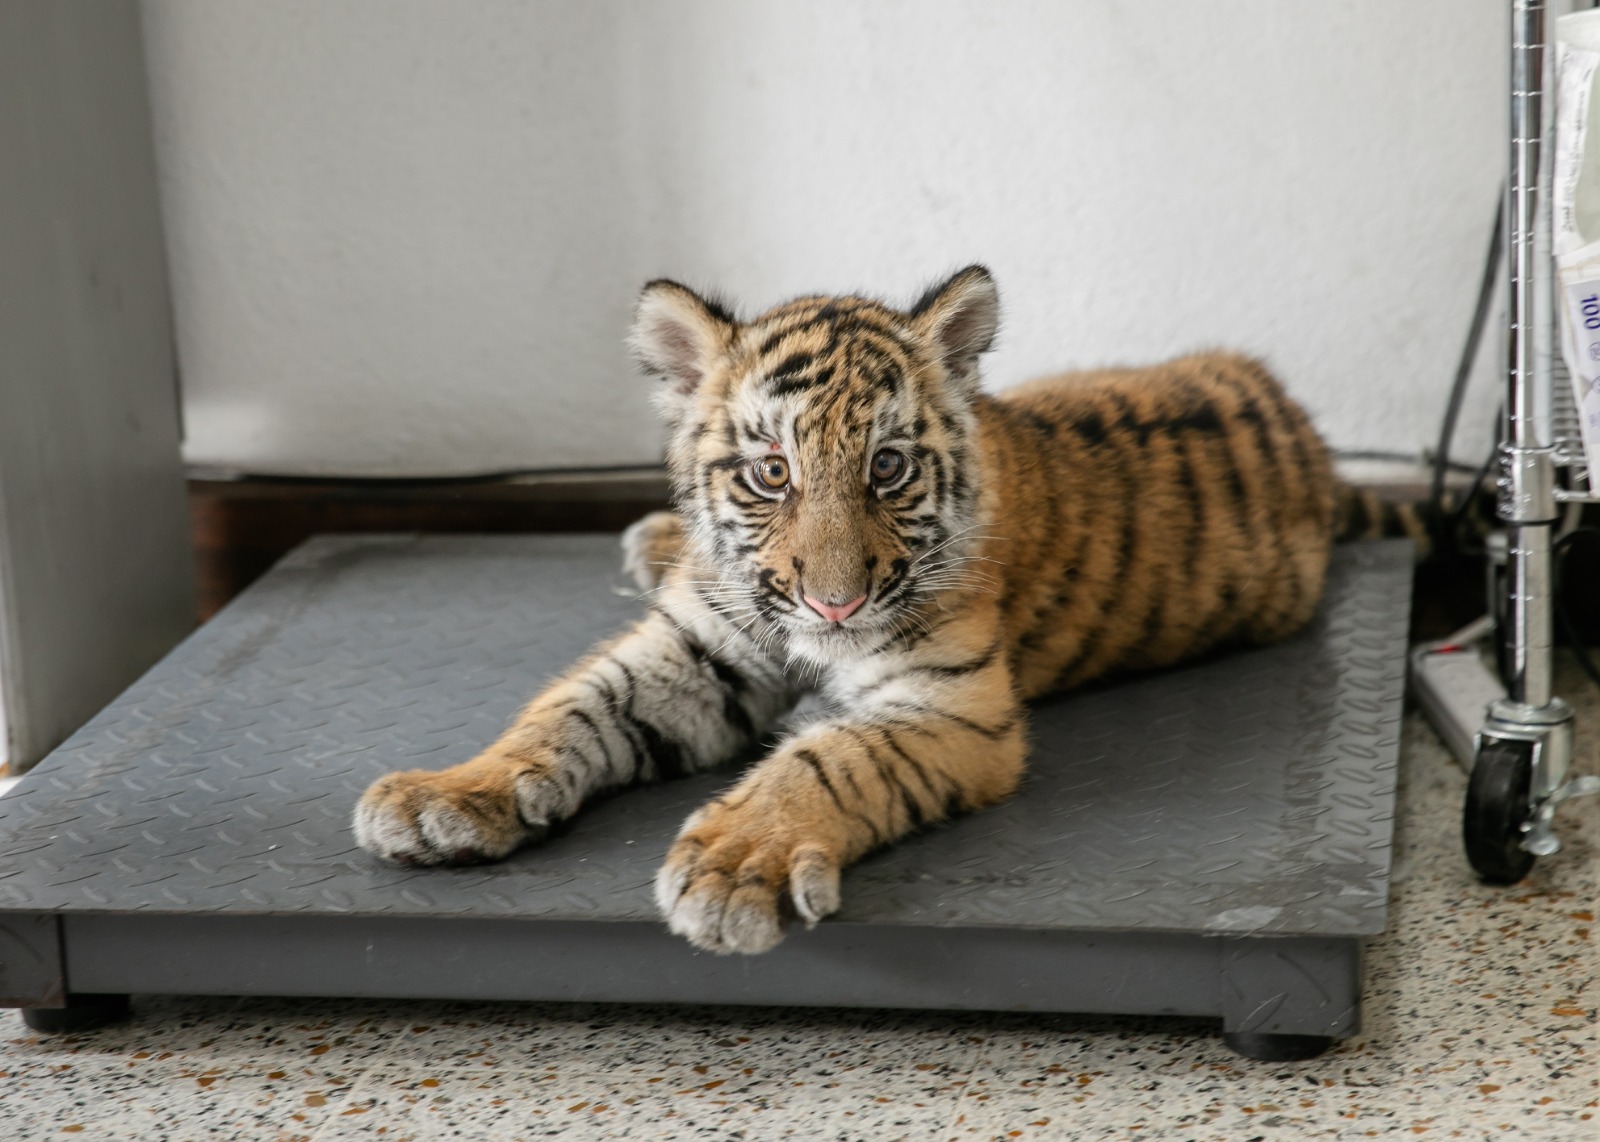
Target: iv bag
{"type": "Point", "coordinates": [1575, 216]}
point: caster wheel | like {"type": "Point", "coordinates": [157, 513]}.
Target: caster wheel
{"type": "Point", "coordinates": [82, 1013]}
{"type": "Point", "coordinates": [1276, 1048]}
{"type": "Point", "coordinates": [1497, 808]}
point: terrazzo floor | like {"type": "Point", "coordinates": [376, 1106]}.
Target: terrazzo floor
{"type": "Point", "coordinates": [1480, 1023]}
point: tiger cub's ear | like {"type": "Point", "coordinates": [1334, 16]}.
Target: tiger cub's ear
{"type": "Point", "coordinates": [677, 335]}
{"type": "Point", "coordinates": [960, 316]}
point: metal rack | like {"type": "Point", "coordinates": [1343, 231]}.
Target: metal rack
{"type": "Point", "coordinates": [1508, 726]}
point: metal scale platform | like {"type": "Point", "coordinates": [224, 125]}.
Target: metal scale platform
{"type": "Point", "coordinates": [1213, 840]}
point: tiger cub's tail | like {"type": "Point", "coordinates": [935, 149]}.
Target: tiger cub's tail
{"type": "Point", "coordinates": [1458, 525]}
{"type": "Point", "coordinates": [1360, 513]}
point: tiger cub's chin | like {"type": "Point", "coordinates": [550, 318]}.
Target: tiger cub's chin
{"type": "Point", "coordinates": [824, 647]}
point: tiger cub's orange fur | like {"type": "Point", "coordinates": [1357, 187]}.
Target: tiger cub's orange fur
{"type": "Point", "coordinates": [854, 517]}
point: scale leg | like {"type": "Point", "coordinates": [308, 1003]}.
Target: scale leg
{"type": "Point", "coordinates": [82, 1013]}
{"type": "Point", "coordinates": [1268, 1048]}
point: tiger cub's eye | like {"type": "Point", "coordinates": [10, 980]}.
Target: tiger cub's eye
{"type": "Point", "coordinates": [887, 466]}
{"type": "Point", "coordinates": [771, 472]}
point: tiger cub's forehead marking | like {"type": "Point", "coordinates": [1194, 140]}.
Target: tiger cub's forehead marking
{"type": "Point", "coordinates": [839, 415]}
{"type": "Point", "coordinates": [811, 343]}
{"type": "Point", "coordinates": [824, 379]}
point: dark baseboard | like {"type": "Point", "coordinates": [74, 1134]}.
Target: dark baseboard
{"type": "Point", "coordinates": [242, 527]}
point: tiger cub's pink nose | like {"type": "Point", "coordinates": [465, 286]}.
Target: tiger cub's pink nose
{"type": "Point", "coordinates": [834, 614]}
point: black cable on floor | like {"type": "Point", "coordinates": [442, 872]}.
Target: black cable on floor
{"type": "Point", "coordinates": [1452, 527]}
{"type": "Point", "coordinates": [1469, 354]}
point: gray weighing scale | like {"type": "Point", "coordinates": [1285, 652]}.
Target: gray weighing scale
{"type": "Point", "coordinates": [1212, 840]}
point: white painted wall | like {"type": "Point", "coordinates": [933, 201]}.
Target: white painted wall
{"type": "Point", "coordinates": [406, 235]}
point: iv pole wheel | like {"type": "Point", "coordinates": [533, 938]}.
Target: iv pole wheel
{"type": "Point", "coordinates": [1497, 808]}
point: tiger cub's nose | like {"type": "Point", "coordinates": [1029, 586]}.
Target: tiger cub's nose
{"type": "Point", "coordinates": [834, 613]}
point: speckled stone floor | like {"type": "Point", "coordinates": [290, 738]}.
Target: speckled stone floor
{"type": "Point", "coordinates": [1480, 1023]}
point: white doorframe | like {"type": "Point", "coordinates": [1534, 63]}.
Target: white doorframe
{"type": "Point", "coordinates": [96, 566]}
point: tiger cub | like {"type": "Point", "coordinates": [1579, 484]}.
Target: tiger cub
{"type": "Point", "coordinates": [857, 518]}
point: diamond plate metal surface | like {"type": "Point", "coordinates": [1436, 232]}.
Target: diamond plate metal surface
{"type": "Point", "coordinates": [1251, 794]}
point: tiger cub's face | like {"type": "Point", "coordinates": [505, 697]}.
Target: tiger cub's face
{"type": "Point", "coordinates": [822, 454]}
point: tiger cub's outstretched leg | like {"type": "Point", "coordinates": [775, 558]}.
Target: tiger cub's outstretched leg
{"type": "Point", "coordinates": [682, 691]}
{"type": "Point", "coordinates": [924, 733]}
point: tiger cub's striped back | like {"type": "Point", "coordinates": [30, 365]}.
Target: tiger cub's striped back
{"type": "Point", "coordinates": [1147, 515]}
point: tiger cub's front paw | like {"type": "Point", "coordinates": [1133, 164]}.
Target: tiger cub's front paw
{"type": "Point", "coordinates": [457, 816]}
{"type": "Point", "coordinates": [650, 546]}
{"type": "Point", "coordinates": [735, 877]}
